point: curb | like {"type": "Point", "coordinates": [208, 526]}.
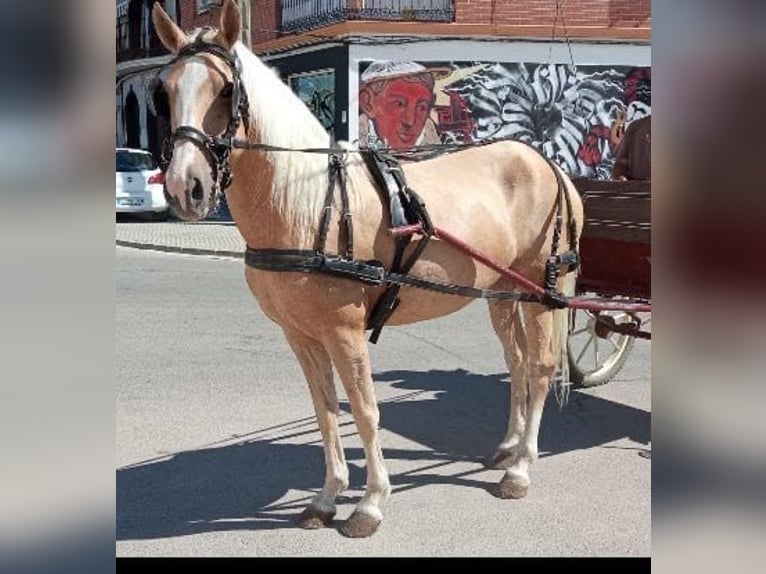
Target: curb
{"type": "Point", "coordinates": [185, 250]}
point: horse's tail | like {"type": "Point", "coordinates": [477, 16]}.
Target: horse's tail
{"type": "Point", "coordinates": [567, 284]}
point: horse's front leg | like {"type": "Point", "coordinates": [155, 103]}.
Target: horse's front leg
{"type": "Point", "coordinates": [349, 352]}
{"type": "Point", "coordinates": [317, 368]}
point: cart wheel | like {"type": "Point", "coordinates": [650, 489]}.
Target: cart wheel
{"type": "Point", "coordinates": [593, 359]}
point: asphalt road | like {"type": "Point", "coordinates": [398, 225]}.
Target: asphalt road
{"type": "Point", "coordinates": [217, 449]}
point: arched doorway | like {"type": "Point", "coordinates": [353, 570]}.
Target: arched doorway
{"type": "Point", "coordinates": [132, 121]}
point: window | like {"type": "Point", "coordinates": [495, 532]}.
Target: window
{"type": "Point", "coordinates": [133, 162]}
{"type": "Point", "coordinates": [205, 5]}
{"type": "Point", "coordinates": [317, 91]}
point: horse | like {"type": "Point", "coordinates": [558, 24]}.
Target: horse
{"type": "Point", "coordinates": [500, 198]}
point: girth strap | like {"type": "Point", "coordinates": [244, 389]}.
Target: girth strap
{"type": "Point", "coordinates": [307, 261]}
{"type": "Point", "coordinates": [370, 272]}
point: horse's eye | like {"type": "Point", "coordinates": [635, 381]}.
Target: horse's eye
{"type": "Point", "coordinates": [227, 90]}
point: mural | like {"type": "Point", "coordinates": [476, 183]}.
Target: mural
{"type": "Point", "coordinates": [317, 91]}
{"type": "Point", "coordinates": [395, 102]}
{"type": "Point", "coordinates": [575, 115]}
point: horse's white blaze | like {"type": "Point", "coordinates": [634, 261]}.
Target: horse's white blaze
{"type": "Point", "coordinates": [186, 153]}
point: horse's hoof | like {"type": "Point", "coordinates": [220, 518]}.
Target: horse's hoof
{"type": "Point", "coordinates": [502, 459]}
{"type": "Point", "coordinates": [512, 486]}
{"type": "Point", "coordinates": [312, 518]}
{"type": "Point", "coordinates": [360, 525]}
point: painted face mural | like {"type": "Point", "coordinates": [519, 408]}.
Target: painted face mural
{"type": "Point", "coordinates": [396, 100]}
{"type": "Point", "coordinates": [400, 110]}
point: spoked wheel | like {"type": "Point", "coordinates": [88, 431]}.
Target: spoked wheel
{"type": "Point", "coordinates": [596, 354]}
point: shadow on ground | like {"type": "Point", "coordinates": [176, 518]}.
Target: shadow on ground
{"type": "Point", "coordinates": [224, 488]}
{"type": "Point", "coordinates": [469, 414]}
{"type": "Point", "coordinates": [462, 418]}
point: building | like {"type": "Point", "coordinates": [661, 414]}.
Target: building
{"type": "Point", "coordinates": [566, 77]}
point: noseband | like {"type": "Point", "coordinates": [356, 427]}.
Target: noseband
{"type": "Point", "coordinates": [216, 149]}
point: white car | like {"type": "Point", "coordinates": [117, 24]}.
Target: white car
{"type": "Point", "coordinates": [140, 184]}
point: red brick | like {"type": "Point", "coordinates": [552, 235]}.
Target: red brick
{"type": "Point", "coordinates": [265, 14]}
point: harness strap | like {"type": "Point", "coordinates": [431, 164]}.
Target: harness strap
{"type": "Point", "coordinates": [387, 171]}
{"type": "Point", "coordinates": [324, 220]}
{"type": "Point", "coordinates": [389, 301]}
{"type": "Point", "coordinates": [199, 45]}
{"type": "Point", "coordinates": [308, 261]}
{"type": "Point", "coordinates": [215, 149]}
{"type": "Point", "coordinates": [337, 174]}
{"type": "Point", "coordinates": [370, 272]}
{"type": "Point", "coordinates": [346, 223]}
{"type": "Point", "coordinates": [570, 258]}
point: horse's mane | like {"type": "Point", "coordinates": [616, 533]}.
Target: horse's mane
{"type": "Point", "coordinates": [282, 119]}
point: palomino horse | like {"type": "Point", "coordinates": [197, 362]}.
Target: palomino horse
{"type": "Point", "coordinates": [500, 198]}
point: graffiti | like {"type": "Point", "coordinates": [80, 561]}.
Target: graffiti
{"type": "Point", "coordinates": [322, 105]}
{"type": "Point", "coordinates": [576, 116]}
{"type": "Point", "coordinates": [454, 120]}
{"type": "Point", "coordinates": [317, 91]}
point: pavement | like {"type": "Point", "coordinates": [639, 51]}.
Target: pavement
{"type": "Point", "coordinates": [197, 238]}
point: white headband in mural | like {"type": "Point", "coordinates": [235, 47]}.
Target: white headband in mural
{"type": "Point", "coordinates": [385, 70]}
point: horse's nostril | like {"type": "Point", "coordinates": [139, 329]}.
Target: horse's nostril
{"type": "Point", "coordinates": [197, 193]}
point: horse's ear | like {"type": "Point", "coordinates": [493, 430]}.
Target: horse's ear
{"type": "Point", "coordinates": [231, 25]}
{"type": "Point", "coordinates": [171, 36]}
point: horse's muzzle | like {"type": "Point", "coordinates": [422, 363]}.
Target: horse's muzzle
{"type": "Point", "coordinates": [194, 206]}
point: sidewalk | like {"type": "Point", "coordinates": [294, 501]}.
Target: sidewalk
{"type": "Point", "coordinates": [197, 238]}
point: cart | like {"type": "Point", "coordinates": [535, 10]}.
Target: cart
{"type": "Point", "coordinates": [615, 251]}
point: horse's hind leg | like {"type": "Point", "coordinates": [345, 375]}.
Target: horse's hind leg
{"type": "Point", "coordinates": [508, 324]}
{"type": "Point", "coordinates": [349, 353]}
{"type": "Point", "coordinates": [317, 368]}
{"type": "Point", "coordinates": [540, 365]}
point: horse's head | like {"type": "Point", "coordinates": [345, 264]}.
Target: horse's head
{"type": "Point", "coordinates": [205, 98]}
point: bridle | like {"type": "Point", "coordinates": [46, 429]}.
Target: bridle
{"type": "Point", "coordinates": [217, 149]}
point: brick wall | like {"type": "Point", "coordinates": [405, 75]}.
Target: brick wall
{"type": "Point", "coordinates": [264, 18]}
{"type": "Point", "coordinates": [623, 13]}
{"type": "Point", "coordinates": [189, 19]}
{"type": "Point", "coordinates": [266, 14]}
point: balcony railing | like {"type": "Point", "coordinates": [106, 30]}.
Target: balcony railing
{"type": "Point", "coordinates": [299, 15]}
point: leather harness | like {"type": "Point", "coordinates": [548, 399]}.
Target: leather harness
{"type": "Point", "coordinates": [404, 206]}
